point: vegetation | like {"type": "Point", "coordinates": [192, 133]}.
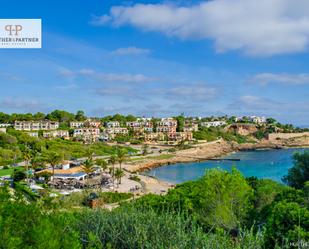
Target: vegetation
{"type": "Point", "coordinates": [219, 210]}
{"type": "Point", "coordinates": [214, 133]}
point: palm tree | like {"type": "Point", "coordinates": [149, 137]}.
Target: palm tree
{"type": "Point", "coordinates": [88, 168]}
{"type": "Point", "coordinates": [53, 158]}
{"type": "Point", "coordinates": [112, 160]}
{"type": "Point", "coordinates": [121, 156]}
{"type": "Point", "coordinates": [89, 154]}
{"type": "Point", "coordinates": [27, 158]}
{"type": "Point", "coordinates": [119, 173]}
{"type": "Point", "coordinates": [102, 163]}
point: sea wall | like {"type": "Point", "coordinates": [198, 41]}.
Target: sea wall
{"type": "Point", "coordinates": [276, 136]}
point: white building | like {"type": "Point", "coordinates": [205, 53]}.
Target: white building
{"type": "Point", "coordinates": [144, 119]}
{"type": "Point", "coordinates": [117, 130]}
{"type": "Point", "coordinates": [2, 129]}
{"type": "Point", "coordinates": [33, 134]}
{"type": "Point", "coordinates": [56, 133]}
{"type": "Point", "coordinates": [5, 125]}
{"type": "Point", "coordinates": [213, 124]}
{"type": "Point", "coordinates": [36, 125]}
{"type": "Point", "coordinates": [134, 125]}
{"type": "Point", "coordinates": [257, 120]}
{"type": "Point", "coordinates": [112, 124]}
{"type": "Point", "coordinates": [76, 124]}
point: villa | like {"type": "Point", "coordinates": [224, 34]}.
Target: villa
{"type": "Point", "coordinates": [134, 125]}
{"type": "Point", "coordinates": [56, 134]}
{"type": "Point", "coordinates": [154, 136]}
{"type": "Point", "coordinates": [112, 132]}
{"type": "Point", "coordinates": [213, 124]}
{"type": "Point", "coordinates": [93, 123]}
{"type": "Point", "coordinates": [257, 120]}
{"type": "Point", "coordinates": [112, 124]}
{"type": "Point", "coordinates": [190, 127]}
{"type": "Point", "coordinates": [87, 134]}
{"type": "Point", "coordinates": [180, 136]}
{"type": "Point", "coordinates": [5, 125]}
{"type": "Point", "coordinates": [76, 124]}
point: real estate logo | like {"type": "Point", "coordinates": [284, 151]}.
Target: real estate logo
{"type": "Point", "coordinates": [20, 33]}
{"type": "Point", "coordinates": [13, 28]}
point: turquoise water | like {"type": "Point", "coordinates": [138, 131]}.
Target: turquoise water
{"type": "Point", "coordinates": [271, 164]}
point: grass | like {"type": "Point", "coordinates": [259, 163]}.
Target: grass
{"type": "Point", "coordinates": [9, 171]}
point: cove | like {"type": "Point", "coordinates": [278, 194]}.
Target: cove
{"type": "Point", "coordinates": [270, 164]}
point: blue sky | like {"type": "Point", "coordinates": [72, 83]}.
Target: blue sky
{"type": "Point", "coordinates": [162, 58]}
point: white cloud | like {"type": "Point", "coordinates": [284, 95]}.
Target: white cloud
{"type": "Point", "coordinates": [106, 77]}
{"type": "Point", "coordinates": [283, 78]}
{"type": "Point", "coordinates": [263, 28]}
{"type": "Point", "coordinates": [131, 51]}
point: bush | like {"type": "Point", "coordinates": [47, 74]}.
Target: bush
{"type": "Point", "coordinates": [143, 228]}
{"type": "Point", "coordinates": [135, 178]}
{"type": "Point", "coordinates": [19, 175]}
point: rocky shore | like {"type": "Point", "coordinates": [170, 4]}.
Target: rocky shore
{"type": "Point", "coordinates": [211, 150]}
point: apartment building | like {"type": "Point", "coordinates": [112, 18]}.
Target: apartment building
{"type": "Point", "coordinates": [143, 126]}
{"type": "Point", "coordinates": [167, 125]}
{"type": "Point", "coordinates": [36, 125]}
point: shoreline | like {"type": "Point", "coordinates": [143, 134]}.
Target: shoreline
{"type": "Point", "coordinates": [213, 150]}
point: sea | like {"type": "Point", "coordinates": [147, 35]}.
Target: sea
{"type": "Point", "coordinates": [270, 164]}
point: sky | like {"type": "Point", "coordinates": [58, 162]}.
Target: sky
{"type": "Point", "coordinates": [162, 58]}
